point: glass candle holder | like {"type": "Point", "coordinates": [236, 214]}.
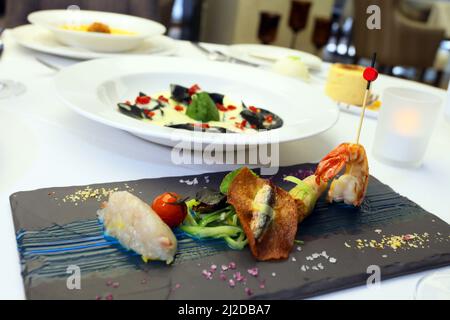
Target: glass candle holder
{"type": "Point", "coordinates": [405, 124]}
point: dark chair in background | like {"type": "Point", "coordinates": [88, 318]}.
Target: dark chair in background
{"type": "Point", "coordinates": [159, 10]}
{"type": "Point", "coordinates": [400, 42]}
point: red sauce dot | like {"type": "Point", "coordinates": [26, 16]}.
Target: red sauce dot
{"type": "Point", "coordinates": [163, 99]}
{"type": "Point", "coordinates": [143, 100]}
{"type": "Point", "coordinates": [201, 125]}
{"type": "Point", "coordinates": [220, 107]}
{"type": "Point", "coordinates": [194, 89]}
{"type": "Point", "coordinates": [149, 113]}
{"type": "Point", "coordinates": [241, 125]}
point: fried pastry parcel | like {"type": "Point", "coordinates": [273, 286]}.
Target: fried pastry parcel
{"type": "Point", "coordinates": [268, 215]}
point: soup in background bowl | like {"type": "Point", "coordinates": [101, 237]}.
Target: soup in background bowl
{"type": "Point", "coordinates": [72, 29]}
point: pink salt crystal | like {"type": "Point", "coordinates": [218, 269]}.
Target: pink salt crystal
{"type": "Point", "coordinates": [207, 274]}
{"type": "Point", "coordinates": [177, 286]}
{"type": "Point", "coordinates": [248, 291]}
{"type": "Point", "coordinates": [262, 284]}
{"type": "Point", "coordinates": [109, 297]}
{"type": "Point", "coordinates": [222, 276]}
{"type": "Point", "coordinates": [232, 283]}
{"type": "Point", "coordinates": [115, 285]}
{"type": "Point", "coordinates": [109, 283]}
{"type": "Point", "coordinates": [253, 271]}
{"type": "Point", "coordinates": [213, 267]}
{"type": "Point", "coordinates": [97, 297]}
{"type": "Point", "coordinates": [232, 265]}
{"type": "Point", "coordinates": [224, 267]}
{"type": "Point", "coordinates": [238, 276]}
{"type": "Point", "coordinates": [407, 237]}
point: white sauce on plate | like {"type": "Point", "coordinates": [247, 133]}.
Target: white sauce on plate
{"type": "Point", "coordinates": [230, 119]}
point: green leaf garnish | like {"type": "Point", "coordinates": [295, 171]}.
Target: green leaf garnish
{"type": "Point", "coordinates": [228, 179]}
{"type": "Point", "coordinates": [203, 108]}
{"type": "Point", "coordinates": [237, 244]}
{"type": "Point", "coordinates": [211, 232]}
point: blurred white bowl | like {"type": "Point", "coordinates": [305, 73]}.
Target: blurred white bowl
{"type": "Point", "coordinates": [53, 20]}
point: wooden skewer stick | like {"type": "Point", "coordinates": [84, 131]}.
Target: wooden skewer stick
{"type": "Point", "coordinates": [363, 112]}
{"type": "Point", "coordinates": [370, 74]}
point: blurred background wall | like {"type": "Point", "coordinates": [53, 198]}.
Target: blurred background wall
{"type": "Point", "coordinates": [245, 20]}
{"type": "Point", "coordinates": [414, 42]}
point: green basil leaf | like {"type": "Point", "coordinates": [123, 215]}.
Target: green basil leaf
{"type": "Point", "coordinates": [203, 108]}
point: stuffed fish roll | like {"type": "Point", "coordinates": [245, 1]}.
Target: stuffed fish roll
{"type": "Point", "coordinates": [137, 227]}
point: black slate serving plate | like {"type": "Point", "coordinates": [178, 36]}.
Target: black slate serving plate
{"type": "Point", "coordinates": [57, 228]}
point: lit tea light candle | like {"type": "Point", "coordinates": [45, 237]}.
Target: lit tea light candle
{"type": "Point", "coordinates": [407, 122]}
{"type": "Point", "coordinates": [401, 143]}
{"type": "Point", "coordinates": [405, 125]}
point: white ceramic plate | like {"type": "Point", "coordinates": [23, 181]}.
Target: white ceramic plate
{"type": "Point", "coordinates": [356, 110]}
{"type": "Point", "coordinates": [39, 39]}
{"type": "Point", "coordinates": [53, 20]}
{"type": "Point", "coordinates": [267, 55]}
{"type": "Point", "coordinates": [306, 111]}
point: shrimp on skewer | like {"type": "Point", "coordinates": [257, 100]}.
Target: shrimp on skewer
{"type": "Point", "coordinates": [352, 185]}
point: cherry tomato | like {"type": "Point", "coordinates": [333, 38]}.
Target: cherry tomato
{"type": "Point", "coordinates": [170, 208]}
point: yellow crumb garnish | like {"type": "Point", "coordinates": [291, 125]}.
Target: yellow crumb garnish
{"type": "Point", "coordinates": [89, 193]}
{"type": "Point", "coordinates": [394, 242]}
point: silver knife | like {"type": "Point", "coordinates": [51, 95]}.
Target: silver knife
{"type": "Point", "coordinates": [220, 56]}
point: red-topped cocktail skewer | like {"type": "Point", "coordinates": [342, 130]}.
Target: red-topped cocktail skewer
{"type": "Point", "coordinates": [370, 74]}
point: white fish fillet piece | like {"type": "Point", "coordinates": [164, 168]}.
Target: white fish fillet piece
{"type": "Point", "coordinates": [137, 227]}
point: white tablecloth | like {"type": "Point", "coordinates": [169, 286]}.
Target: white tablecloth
{"type": "Point", "coordinates": [44, 144]}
